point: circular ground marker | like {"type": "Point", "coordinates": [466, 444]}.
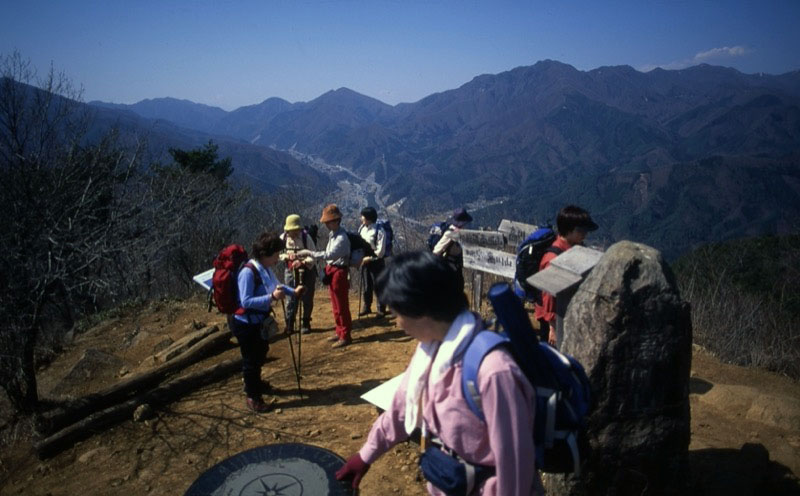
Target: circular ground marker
{"type": "Point", "coordinates": [290, 469]}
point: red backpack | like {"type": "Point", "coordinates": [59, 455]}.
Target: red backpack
{"type": "Point", "coordinates": [224, 282]}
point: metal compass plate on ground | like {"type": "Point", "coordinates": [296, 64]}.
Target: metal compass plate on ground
{"type": "Point", "coordinates": [291, 469]}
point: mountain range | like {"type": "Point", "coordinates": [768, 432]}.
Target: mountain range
{"type": "Point", "coordinates": [262, 168]}
{"type": "Point", "coordinates": [671, 158]}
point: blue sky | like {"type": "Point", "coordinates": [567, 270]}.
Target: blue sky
{"type": "Point", "coordinates": [234, 53]}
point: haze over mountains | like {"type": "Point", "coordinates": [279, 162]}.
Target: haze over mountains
{"type": "Point", "coordinates": [671, 158]}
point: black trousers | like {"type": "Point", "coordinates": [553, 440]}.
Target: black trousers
{"type": "Point", "coordinates": [369, 273]}
{"type": "Point", "coordinates": [254, 350]}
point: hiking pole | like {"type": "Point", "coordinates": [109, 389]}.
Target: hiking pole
{"type": "Point", "coordinates": [360, 279]}
{"type": "Point", "coordinates": [291, 348]}
{"type": "Point", "coordinates": [298, 281]}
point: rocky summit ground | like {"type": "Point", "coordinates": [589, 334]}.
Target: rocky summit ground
{"type": "Point", "coordinates": [745, 422]}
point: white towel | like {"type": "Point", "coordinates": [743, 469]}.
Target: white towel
{"type": "Point", "coordinates": [434, 359]}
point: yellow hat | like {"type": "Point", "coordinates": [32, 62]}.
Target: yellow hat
{"type": "Point", "coordinates": [292, 223]}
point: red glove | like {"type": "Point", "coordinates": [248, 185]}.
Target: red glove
{"type": "Point", "coordinates": [356, 467]}
{"type": "Point", "coordinates": [296, 264]}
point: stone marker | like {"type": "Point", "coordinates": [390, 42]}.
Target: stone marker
{"type": "Point", "coordinates": [629, 327]}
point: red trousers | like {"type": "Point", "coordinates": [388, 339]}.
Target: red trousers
{"type": "Point", "coordinates": [340, 301]}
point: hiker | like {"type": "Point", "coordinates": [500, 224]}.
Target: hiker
{"type": "Point", "coordinates": [573, 224]}
{"type": "Point", "coordinates": [449, 245]}
{"type": "Point", "coordinates": [258, 287]}
{"type": "Point", "coordinates": [337, 258]}
{"type": "Point", "coordinates": [424, 293]}
{"type": "Point", "coordinates": [371, 266]}
{"type": "Point", "coordinates": [299, 271]}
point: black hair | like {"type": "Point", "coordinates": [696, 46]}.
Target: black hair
{"type": "Point", "coordinates": [267, 244]}
{"type": "Point", "coordinates": [420, 284]}
{"type": "Point", "coordinates": [571, 217]}
{"type": "Point", "coordinates": [370, 214]}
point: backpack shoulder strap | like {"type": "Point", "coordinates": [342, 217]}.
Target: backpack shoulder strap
{"type": "Point", "coordinates": [554, 249]}
{"type": "Point", "coordinates": [481, 345]}
{"type": "Point", "coordinates": [256, 276]}
{"type": "Point", "coordinates": [305, 237]}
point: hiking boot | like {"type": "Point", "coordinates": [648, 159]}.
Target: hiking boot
{"type": "Point", "coordinates": [364, 312]}
{"type": "Point", "coordinates": [257, 405]}
{"type": "Point", "coordinates": [333, 338]}
{"type": "Point", "coordinates": [381, 313]}
{"type": "Point", "coordinates": [305, 330]}
{"type": "Point", "coordinates": [341, 343]}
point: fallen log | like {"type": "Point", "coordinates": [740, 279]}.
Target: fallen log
{"type": "Point", "coordinates": [58, 418]}
{"type": "Point", "coordinates": [161, 395]}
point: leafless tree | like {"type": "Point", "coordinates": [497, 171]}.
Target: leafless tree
{"type": "Point", "coordinates": [60, 214]}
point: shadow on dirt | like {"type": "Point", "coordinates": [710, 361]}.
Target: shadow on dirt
{"type": "Point", "coordinates": [699, 386]}
{"type": "Point", "coordinates": [744, 471]}
{"type": "Point", "coordinates": [397, 336]}
{"type": "Point", "coordinates": [340, 394]}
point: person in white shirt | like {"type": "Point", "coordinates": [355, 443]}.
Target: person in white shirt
{"type": "Point", "coordinates": [371, 266]}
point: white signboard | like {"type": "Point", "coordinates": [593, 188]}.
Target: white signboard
{"type": "Point", "coordinates": [483, 238]}
{"type": "Point", "coordinates": [515, 231]}
{"type": "Point", "coordinates": [382, 395]}
{"type": "Point", "coordinates": [489, 260]}
{"type": "Point", "coordinates": [566, 270]}
{"type": "Point", "coordinates": [204, 279]}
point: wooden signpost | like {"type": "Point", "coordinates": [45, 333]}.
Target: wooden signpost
{"type": "Point", "coordinates": [515, 231]}
{"type": "Point", "coordinates": [481, 259]}
{"type": "Point", "coordinates": [489, 260]}
{"type": "Point", "coordinates": [482, 238]}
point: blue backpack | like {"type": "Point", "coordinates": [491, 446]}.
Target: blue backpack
{"type": "Point", "coordinates": [389, 235]}
{"type": "Point", "coordinates": [562, 389]}
{"type": "Point", "coordinates": [529, 257]}
{"type": "Point", "coordinates": [435, 233]}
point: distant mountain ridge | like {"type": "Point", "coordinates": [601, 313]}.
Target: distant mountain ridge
{"type": "Point", "coordinates": [622, 142]}
{"type": "Point", "coordinates": [262, 168]}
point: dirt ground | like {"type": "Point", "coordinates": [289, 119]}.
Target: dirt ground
{"type": "Point", "coordinates": [741, 442]}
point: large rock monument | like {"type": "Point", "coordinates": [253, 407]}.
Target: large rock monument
{"type": "Point", "coordinates": [629, 327]}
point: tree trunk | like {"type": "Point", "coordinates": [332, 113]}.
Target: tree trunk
{"type": "Point", "coordinates": [20, 372]}
{"type": "Point", "coordinates": [162, 395]}
{"type": "Point", "coordinates": [73, 411]}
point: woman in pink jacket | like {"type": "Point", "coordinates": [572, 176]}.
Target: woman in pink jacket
{"type": "Point", "coordinates": [423, 291]}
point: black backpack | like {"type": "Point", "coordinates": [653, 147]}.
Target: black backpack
{"type": "Point", "coordinates": [359, 248]}
{"type": "Point", "coordinates": [313, 231]}
{"type": "Point", "coordinates": [529, 257]}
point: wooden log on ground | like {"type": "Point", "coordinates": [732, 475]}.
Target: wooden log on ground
{"type": "Point", "coordinates": [162, 395]}
{"type": "Point", "coordinates": [75, 410]}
